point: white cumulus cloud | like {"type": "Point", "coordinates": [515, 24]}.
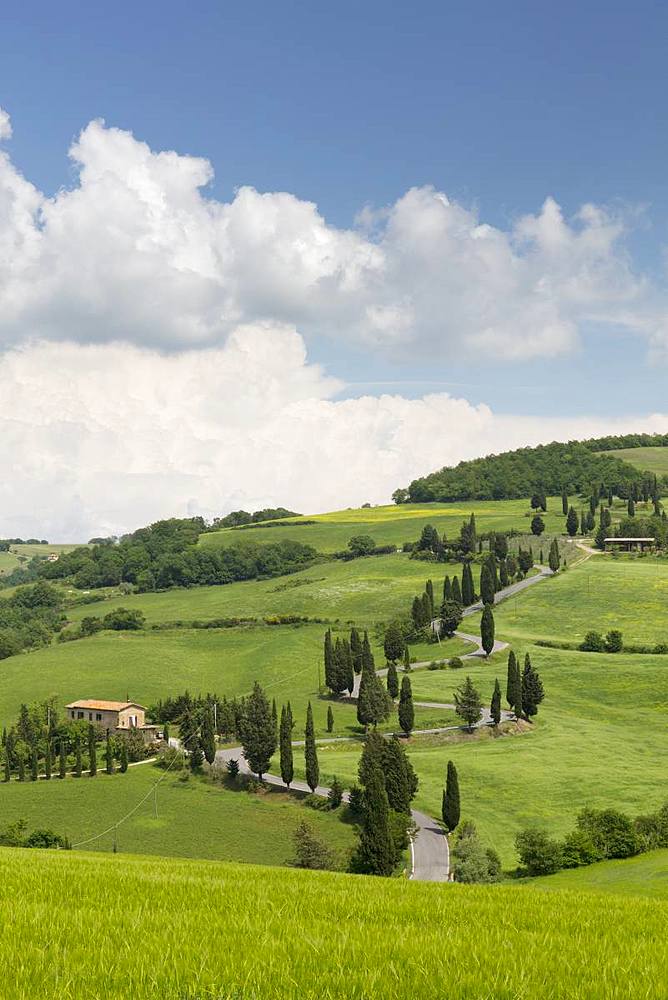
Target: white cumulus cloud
{"type": "Point", "coordinates": [137, 251]}
{"type": "Point", "coordinates": [103, 438]}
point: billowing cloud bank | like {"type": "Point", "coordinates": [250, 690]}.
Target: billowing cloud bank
{"type": "Point", "coordinates": [154, 339]}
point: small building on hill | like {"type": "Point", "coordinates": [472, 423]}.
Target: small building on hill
{"type": "Point", "coordinates": [118, 716]}
{"type": "Point", "coordinates": [629, 544]}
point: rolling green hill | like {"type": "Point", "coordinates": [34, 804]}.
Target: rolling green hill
{"type": "Point", "coordinates": [644, 875]}
{"type": "Point", "coordinates": [652, 459]}
{"type": "Point", "coordinates": [74, 926]}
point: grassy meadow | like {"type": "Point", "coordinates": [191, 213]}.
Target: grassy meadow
{"type": "Point", "coordinates": [394, 524]}
{"type": "Point", "coordinates": [196, 818]}
{"type": "Point", "coordinates": [647, 459]}
{"type": "Point", "coordinates": [644, 875]}
{"type": "Point", "coordinates": [167, 929]}
{"type": "Point", "coordinates": [603, 593]}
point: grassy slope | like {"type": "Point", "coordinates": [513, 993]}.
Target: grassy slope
{"type": "Point", "coordinates": [599, 740]}
{"type": "Point", "coordinates": [149, 665]}
{"type": "Point", "coordinates": [603, 593]}
{"type": "Point", "coordinates": [196, 818]}
{"type": "Point", "coordinates": [378, 588]}
{"type": "Point", "coordinates": [647, 459]}
{"type": "Point", "coordinates": [180, 930]}
{"type": "Point", "coordinates": [396, 524]}
{"type": "Point", "coordinates": [645, 875]}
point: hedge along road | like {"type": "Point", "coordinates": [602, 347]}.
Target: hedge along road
{"type": "Point", "coordinates": [430, 852]}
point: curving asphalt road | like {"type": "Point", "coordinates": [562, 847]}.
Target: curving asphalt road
{"type": "Point", "coordinates": [429, 851]}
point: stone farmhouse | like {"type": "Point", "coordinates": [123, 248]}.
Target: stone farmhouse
{"type": "Point", "coordinates": [117, 716]}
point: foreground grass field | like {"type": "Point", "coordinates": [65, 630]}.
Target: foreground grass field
{"type": "Point", "coordinates": [195, 818]}
{"type": "Point", "coordinates": [599, 740]}
{"type": "Point", "coordinates": [646, 875]}
{"type": "Point", "coordinates": [176, 930]}
{"type": "Point", "coordinates": [394, 525]}
{"type": "Point", "coordinates": [647, 459]}
{"type": "Point", "coordinates": [602, 593]}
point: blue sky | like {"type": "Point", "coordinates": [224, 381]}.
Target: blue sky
{"type": "Point", "coordinates": [498, 106]}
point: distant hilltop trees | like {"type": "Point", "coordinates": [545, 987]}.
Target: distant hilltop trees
{"type": "Point", "coordinates": [550, 469]}
{"type": "Point", "coordinates": [239, 517]}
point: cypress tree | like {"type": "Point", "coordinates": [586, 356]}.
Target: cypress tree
{"type": "Point", "coordinates": [407, 661]}
{"type": "Point", "coordinates": [572, 522]}
{"type": "Point", "coordinates": [375, 854]}
{"type": "Point", "coordinates": [48, 760]}
{"type": "Point", "coordinates": [329, 659]}
{"type": "Point", "coordinates": [447, 589]}
{"type": "Point", "coordinates": [451, 805]}
{"type": "Point", "coordinates": [310, 752]}
{"type": "Point", "coordinates": [274, 716]}
{"type": "Point", "coordinates": [532, 689]}
{"type": "Point", "coordinates": [495, 707]}
{"type": "Point", "coordinates": [92, 751]}
{"type": "Point", "coordinates": [258, 736]}
{"type": "Point", "coordinates": [500, 547]}
{"type": "Point", "coordinates": [34, 764]}
{"type": "Point", "coordinates": [554, 560]}
{"type": "Point", "coordinates": [22, 767]}
{"type": "Point", "coordinates": [426, 615]}
{"type": "Point", "coordinates": [392, 682]}
{"type": "Point", "coordinates": [338, 674]}
{"type": "Point", "coordinates": [78, 763]}
{"type": "Point", "coordinates": [456, 590]}
{"type": "Point", "coordinates": [367, 655]}
{"type": "Point", "coordinates": [356, 649]}
{"type": "Point", "coordinates": [208, 738]}
{"type": "Point", "coordinates": [124, 757]}
{"type": "Point", "coordinates": [330, 719]}
{"type": "Point", "coordinates": [373, 702]}
{"type": "Point", "coordinates": [109, 757]}
{"type": "Point", "coordinates": [564, 502]}
{"type": "Point", "coordinates": [487, 629]}
{"type": "Point", "coordinates": [429, 591]}
{"type": "Point", "coordinates": [468, 591]}
{"type": "Point", "coordinates": [7, 766]}
{"type": "Point", "coordinates": [406, 709]}
{"type": "Point", "coordinates": [393, 645]}
{"type": "Point", "coordinates": [62, 759]}
{"type": "Point", "coordinates": [510, 683]}
{"type": "Point", "coordinates": [285, 743]}
{"type": "Point", "coordinates": [631, 507]}
{"type": "Point", "coordinates": [467, 703]}
{"type": "Point", "coordinates": [503, 574]}
{"type": "Point", "coordinates": [517, 689]}
{"type": "Point", "coordinates": [196, 755]}
{"type": "Point", "coordinates": [399, 776]}
{"type": "Point", "coordinates": [486, 584]}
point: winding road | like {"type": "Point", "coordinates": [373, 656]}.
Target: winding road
{"type": "Point", "coordinates": [430, 853]}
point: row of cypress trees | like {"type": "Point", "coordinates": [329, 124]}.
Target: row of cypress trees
{"type": "Point", "coordinates": [50, 761]}
{"type": "Point", "coordinates": [524, 690]}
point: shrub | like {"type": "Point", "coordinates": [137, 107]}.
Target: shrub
{"type": "Point", "coordinates": [661, 647]}
{"type": "Point", "coordinates": [611, 832]}
{"type": "Point", "coordinates": [123, 619]}
{"type": "Point", "coordinates": [309, 851]}
{"type": "Point", "coordinates": [456, 663]}
{"type": "Point", "coordinates": [472, 862]}
{"type": "Point", "coordinates": [538, 853]}
{"type": "Point", "coordinates": [593, 642]}
{"type": "Point", "coordinates": [578, 849]}
{"type": "Point", "coordinates": [652, 830]}
{"type": "Point", "coordinates": [171, 759]}
{"type": "Point", "coordinates": [613, 641]}
{"type": "Point", "coordinates": [335, 794]}
{"type": "Point", "coordinates": [433, 665]}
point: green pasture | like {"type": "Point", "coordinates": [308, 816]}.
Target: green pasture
{"type": "Point", "coordinates": [150, 665]}
{"type": "Point", "coordinates": [602, 593]}
{"type": "Point", "coordinates": [647, 459]}
{"type": "Point", "coordinates": [195, 818]}
{"type": "Point", "coordinates": [74, 925]}
{"type": "Point", "coordinates": [644, 875]}
{"type": "Point", "coordinates": [9, 561]}
{"type": "Point", "coordinates": [599, 740]}
{"type": "Point", "coordinates": [394, 525]}
{"type": "Point", "coordinates": [364, 591]}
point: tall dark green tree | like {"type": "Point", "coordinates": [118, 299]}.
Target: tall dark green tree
{"type": "Point", "coordinates": [375, 854]}
{"type": "Point", "coordinates": [62, 759]}
{"type": "Point", "coordinates": [631, 507]}
{"type": "Point", "coordinates": [78, 763]}
{"type": "Point", "coordinates": [367, 655]}
{"type": "Point", "coordinates": [329, 659]}
{"type": "Point", "coordinates": [34, 764]}
{"type": "Point", "coordinates": [392, 681]}
{"type": "Point", "coordinates": [429, 591]}
{"type": "Point", "coordinates": [487, 629]}
{"type": "Point", "coordinates": [406, 709]}
{"type": "Point", "coordinates": [356, 649]}
{"type": "Point", "coordinates": [21, 764]}
{"type": "Point", "coordinates": [208, 737]}
{"type": "Point", "coordinates": [447, 589]}
{"type": "Point", "coordinates": [486, 584]}
{"type": "Point", "coordinates": [330, 719]}
{"type": "Point", "coordinates": [258, 736]}
{"type": "Point", "coordinates": [532, 689]}
{"type": "Point", "coordinates": [374, 704]}
{"type": "Point", "coordinates": [450, 618]}
{"type": "Point", "coordinates": [511, 681]}
{"type": "Point", "coordinates": [196, 757]}
{"type": "Point", "coordinates": [468, 590]}
{"type": "Point", "coordinates": [92, 750]}
{"type": "Point", "coordinates": [310, 752]}
{"type": "Point", "coordinates": [564, 502]}
{"type": "Point", "coordinates": [451, 805]}
{"type": "Point", "coordinates": [400, 779]}
{"type": "Point", "coordinates": [285, 744]}
{"type": "Point", "coordinates": [468, 705]}
{"type": "Point", "coordinates": [456, 591]}
{"type": "Point", "coordinates": [123, 764]}
{"type": "Point", "coordinates": [554, 559]}
{"type": "Point", "coordinates": [393, 645]}
{"type": "Point", "coordinates": [500, 547]}
{"type": "Point", "coordinates": [572, 522]}
{"type": "Point", "coordinates": [348, 667]}
{"type": "Point", "coordinates": [504, 579]}
{"type": "Point", "coordinates": [109, 756]}
{"type": "Point", "coordinates": [48, 760]}
{"type": "Point", "coordinates": [7, 765]}
{"type": "Point", "coordinates": [495, 706]}
{"type": "Point", "coordinates": [407, 660]}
